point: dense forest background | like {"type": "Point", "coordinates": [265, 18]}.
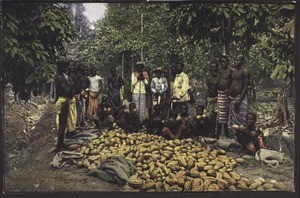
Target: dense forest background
{"type": "Point", "coordinates": [36, 35]}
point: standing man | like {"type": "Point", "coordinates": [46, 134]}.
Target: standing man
{"type": "Point", "coordinates": [239, 88]}
{"type": "Point", "coordinates": [180, 88]}
{"type": "Point", "coordinates": [159, 86]}
{"type": "Point", "coordinates": [212, 96]}
{"type": "Point", "coordinates": [224, 83]}
{"type": "Point", "coordinates": [114, 84]}
{"type": "Point", "coordinates": [96, 83]}
{"type": "Point", "coordinates": [139, 80]}
{"type": "Point", "coordinates": [65, 105]}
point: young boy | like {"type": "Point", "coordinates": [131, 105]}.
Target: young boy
{"type": "Point", "coordinates": [200, 126]}
{"type": "Point", "coordinates": [250, 136]}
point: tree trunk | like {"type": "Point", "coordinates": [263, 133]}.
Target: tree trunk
{"type": "Point", "coordinates": [282, 115]}
{"type": "Point", "coordinates": [224, 39]}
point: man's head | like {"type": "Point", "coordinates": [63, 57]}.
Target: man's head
{"type": "Point", "coordinates": [174, 69]}
{"type": "Point", "coordinates": [104, 99]}
{"type": "Point", "coordinates": [224, 61]}
{"type": "Point", "coordinates": [113, 71]}
{"type": "Point", "coordinates": [158, 72]}
{"type": "Point", "coordinates": [199, 110]}
{"type": "Point", "coordinates": [132, 107]}
{"type": "Point", "coordinates": [184, 109]}
{"type": "Point", "coordinates": [117, 100]}
{"type": "Point", "coordinates": [72, 65]}
{"type": "Point", "coordinates": [62, 66]}
{"type": "Point", "coordinates": [129, 96]}
{"type": "Point", "coordinates": [93, 71]}
{"type": "Point", "coordinates": [157, 109]}
{"type": "Point", "coordinates": [250, 119]}
{"type": "Point", "coordinates": [180, 67]}
{"type": "Point", "coordinates": [173, 113]}
{"type": "Point", "coordinates": [86, 69]}
{"type": "Point", "coordinates": [214, 68]}
{"type": "Point", "coordinates": [139, 66]}
{"type": "Point", "coordinates": [239, 61]}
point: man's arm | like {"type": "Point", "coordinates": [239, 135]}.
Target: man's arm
{"type": "Point", "coordinates": [66, 87]}
{"type": "Point", "coordinates": [152, 86]}
{"type": "Point", "coordinates": [165, 82]}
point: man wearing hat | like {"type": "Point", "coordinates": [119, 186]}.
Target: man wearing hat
{"type": "Point", "coordinates": [139, 80]}
{"type": "Point", "coordinates": [159, 86]}
{"type": "Point", "coordinates": [180, 93]}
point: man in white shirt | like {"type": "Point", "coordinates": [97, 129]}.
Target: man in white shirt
{"type": "Point", "coordinates": [139, 79]}
{"type": "Point", "coordinates": [96, 84]}
{"type": "Point", "coordinates": [159, 86]}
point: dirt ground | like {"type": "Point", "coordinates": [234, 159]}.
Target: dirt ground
{"type": "Point", "coordinates": [29, 134]}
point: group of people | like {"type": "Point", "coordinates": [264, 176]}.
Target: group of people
{"type": "Point", "coordinates": [75, 90]}
{"type": "Point", "coordinates": [159, 103]}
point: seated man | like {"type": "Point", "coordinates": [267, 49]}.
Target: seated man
{"type": "Point", "coordinates": [131, 123]}
{"type": "Point", "coordinates": [250, 136]}
{"type": "Point", "coordinates": [186, 119]}
{"type": "Point", "coordinates": [181, 125]}
{"type": "Point", "coordinates": [155, 125]}
{"type": "Point", "coordinates": [128, 100]}
{"type": "Point", "coordinates": [200, 124]}
{"type": "Point", "coordinates": [104, 117]}
{"type": "Point", "coordinates": [171, 126]}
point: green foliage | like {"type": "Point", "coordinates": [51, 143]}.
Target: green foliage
{"type": "Point", "coordinates": [35, 35]}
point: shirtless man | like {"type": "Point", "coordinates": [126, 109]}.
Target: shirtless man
{"type": "Point", "coordinates": [212, 96]}
{"type": "Point", "coordinates": [131, 119]}
{"type": "Point", "coordinates": [104, 117]}
{"type": "Point", "coordinates": [224, 84]}
{"type": "Point", "coordinates": [238, 92]}
{"type": "Point", "coordinates": [65, 105]}
{"type": "Point", "coordinates": [186, 121]}
{"type": "Point", "coordinates": [250, 137]}
{"type": "Point", "coordinates": [200, 124]}
{"type": "Point", "coordinates": [171, 126]}
{"type": "Point", "coordinates": [155, 125]}
{"type": "Point", "coordinates": [114, 84]}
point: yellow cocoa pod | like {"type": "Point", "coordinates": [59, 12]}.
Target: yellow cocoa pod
{"type": "Point", "coordinates": [280, 186]}
{"type": "Point", "coordinates": [86, 163]}
{"type": "Point", "coordinates": [149, 185]}
{"type": "Point", "coordinates": [214, 187]}
{"type": "Point", "coordinates": [223, 181]}
{"type": "Point", "coordinates": [202, 174]}
{"type": "Point", "coordinates": [208, 167]}
{"type": "Point", "coordinates": [239, 160]}
{"type": "Point", "coordinates": [86, 151]}
{"type": "Point", "coordinates": [235, 175]}
{"type": "Point", "coordinates": [135, 182]}
{"type": "Point", "coordinates": [198, 188]}
{"type": "Point", "coordinates": [187, 186]}
{"type": "Point", "coordinates": [268, 186]}
{"type": "Point", "coordinates": [230, 181]}
{"type": "Point", "coordinates": [79, 163]}
{"type": "Point", "coordinates": [232, 188]}
{"type": "Point", "coordinates": [211, 172]}
{"type": "Point", "coordinates": [154, 173]}
{"type": "Point", "coordinates": [196, 182]}
{"type": "Point", "coordinates": [181, 181]}
{"type": "Point", "coordinates": [218, 166]}
{"type": "Point", "coordinates": [219, 175]}
{"type": "Point", "coordinates": [166, 186]}
{"type": "Point", "coordinates": [74, 146]}
{"type": "Point", "coordinates": [206, 184]}
{"type": "Point", "coordinates": [182, 161]}
{"type": "Point", "coordinates": [254, 185]}
{"type": "Point", "coordinates": [235, 126]}
{"type": "Point", "coordinates": [221, 185]}
{"type": "Point", "coordinates": [242, 186]}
